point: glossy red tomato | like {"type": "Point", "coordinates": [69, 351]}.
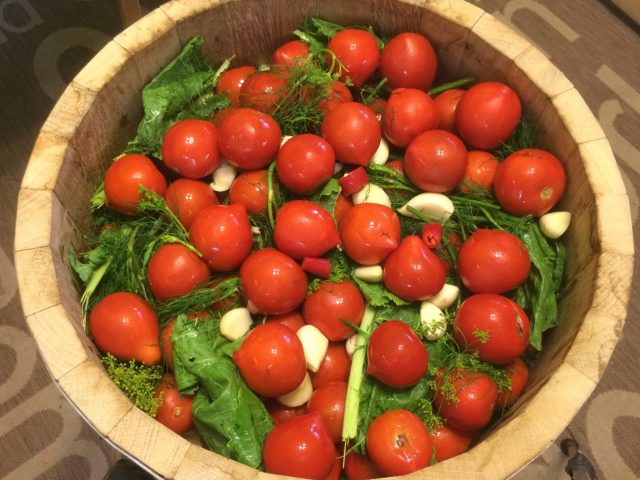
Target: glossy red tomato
{"type": "Point", "coordinates": [263, 91]}
{"type": "Point", "coordinates": [396, 355]}
{"type": "Point", "coordinates": [493, 261]}
{"type": "Point", "coordinates": [289, 55]}
{"type": "Point", "coordinates": [359, 467]}
{"type": "Point", "coordinates": [293, 320]}
{"type": "Point", "coordinates": [279, 412]}
{"type": "Point", "coordinates": [343, 205]}
{"type": "Point", "coordinates": [334, 367]}
{"type": "Point", "coordinates": [353, 130]}
{"type": "Point", "coordinates": [470, 405]}
{"type": "Point", "coordinates": [408, 60]}
{"type": "Point", "coordinates": [125, 326]}
{"type": "Point", "coordinates": [190, 147]}
{"type": "Point", "coordinates": [412, 271]}
{"type": "Point", "coordinates": [305, 163]}
{"type": "Point", "coordinates": [273, 282]}
{"type": "Point", "coordinates": [336, 94]}
{"type": "Point", "coordinates": [399, 443]}
{"type": "Point", "coordinates": [518, 373]}
{"type": "Point", "coordinates": [186, 197]}
{"type": "Point", "coordinates": [481, 170]}
{"type": "Point", "coordinates": [357, 51]}
{"type": "Point", "coordinates": [447, 104]}
{"type": "Point", "coordinates": [231, 82]}
{"type": "Point", "coordinates": [336, 470]}
{"type": "Point", "coordinates": [494, 326]}
{"type": "Point", "coordinates": [249, 139]}
{"type": "Point", "coordinates": [408, 112]}
{"type": "Point", "coordinates": [222, 233]}
{"type": "Point", "coordinates": [175, 410]}
{"type": "Point", "coordinates": [369, 233]}
{"type": "Point", "coordinates": [329, 401]}
{"type": "Point", "coordinates": [487, 114]}
{"type": "Point", "coordinates": [436, 161]}
{"type": "Point", "coordinates": [123, 179]}
{"type": "Point", "coordinates": [529, 181]}
{"type": "Point", "coordinates": [333, 305]}
{"type": "Point", "coordinates": [304, 229]}
{"type": "Point", "coordinates": [174, 270]}
{"type": "Point", "coordinates": [300, 447]}
{"type": "Point", "coordinates": [271, 360]}
{"type": "Point", "coordinates": [251, 190]}
{"type": "Point", "coordinates": [449, 442]}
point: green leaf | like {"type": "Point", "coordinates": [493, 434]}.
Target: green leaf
{"type": "Point", "coordinates": [376, 295]}
{"type": "Point", "coordinates": [328, 196]}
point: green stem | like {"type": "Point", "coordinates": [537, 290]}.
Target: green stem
{"type": "Point", "coordinates": [450, 85]}
{"type": "Point", "coordinates": [352, 402]}
{"type": "Point", "coordinates": [418, 214]}
{"type": "Point", "coordinates": [91, 286]}
{"type": "Point", "coordinates": [270, 194]}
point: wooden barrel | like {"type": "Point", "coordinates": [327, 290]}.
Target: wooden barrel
{"type": "Point", "coordinates": [100, 110]}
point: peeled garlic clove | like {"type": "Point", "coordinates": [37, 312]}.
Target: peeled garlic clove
{"type": "Point", "coordinates": [285, 139]}
{"type": "Point", "coordinates": [433, 320]}
{"type": "Point", "coordinates": [350, 344]}
{"type": "Point", "coordinates": [436, 206]}
{"type": "Point", "coordinates": [314, 344]}
{"type": "Point", "coordinates": [382, 153]}
{"type": "Point", "coordinates": [554, 224]}
{"type": "Point", "coordinates": [223, 177]}
{"type": "Point", "coordinates": [235, 323]}
{"type": "Point", "coordinates": [371, 193]}
{"type": "Point", "coordinates": [445, 297]}
{"type": "Point", "coordinates": [369, 274]}
{"type": "Point", "coordinates": [300, 395]}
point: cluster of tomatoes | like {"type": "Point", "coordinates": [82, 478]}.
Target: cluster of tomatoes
{"type": "Point", "coordinates": [435, 134]}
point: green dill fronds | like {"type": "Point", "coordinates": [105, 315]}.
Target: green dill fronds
{"type": "Point", "coordinates": [481, 335]}
{"type": "Point", "coordinates": [523, 137]}
{"type": "Point", "coordinates": [137, 381]}
{"type": "Point", "coordinates": [428, 416]}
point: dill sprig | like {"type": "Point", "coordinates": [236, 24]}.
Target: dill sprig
{"type": "Point", "coordinates": [523, 137]}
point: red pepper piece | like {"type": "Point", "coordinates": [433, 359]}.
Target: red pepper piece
{"type": "Point", "coordinates": [353, 181]}
{"type": "Point", "coordinates": [321, 267]}
{"type": "Point", "coordinates": [432, 234]}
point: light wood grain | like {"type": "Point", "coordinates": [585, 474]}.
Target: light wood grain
{"type": "Point", "coordinates": [99, 111]}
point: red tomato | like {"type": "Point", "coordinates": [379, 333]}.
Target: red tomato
{"type": "Point", "coordinates": [271, 360]}
{"type": "Point", "coordinates": [357, 51]}
{"type": "Point", "coordinates": [336, 470]}
{"type": "Point", "coordinates": [408, 60]}
{"type": "Point", "coordinates": [273, 282]}
{"type": "Point", "coordinates": [493, 261]}
{"type": "Point", "coordinates": [190, 147]}
{"type": "Point", "coordinates": [328, 400]}
{"type": "Point", "coordinates": [481, 170]}
{"type": "Point", "coordinates": [222, 233]}
{"type": "Point", "coordinates": [353, 130]}
{"type": "Point", "coordinates": [494, 326]}
{"type": "Point", "coordinates": [293, 320]}
{"type": "Point", "coordinates": [300, 447]}
{"type": "Point", "coordinates": [343, 205]}
{"type": "Point", "coordinates": [476, 395]}
{"type": "Point", "coordinates": [377, 105]}
{"type": "Point", "coordinates": [409, 112]}
{"type": "Point", "coordinates": [399, 443]}
{"type": "Point", "coordinates": [435, 161]}
{"type": "Point", "coordinates": [397, 165]}
{"type": "Point", "coordinates": [369, 233]}
{"type": "Point", "coordinates": [289, 55]}
{"type": "Point", "coordinates": [174, 270]}
{"type": "Point", "coordinates": [359, 467]}
{"type": "Point", "coordinates": [529, 181]}
{"type": "Point", "coordinates": [186, 197]}
{"type": "Point", "coordinates": [487, 114]}
{"type": "Point", "coordinates": [123, 179]}
{"type": "Point", "coordinates": [249, 139]}
{"type": "Point", "coordinates": [336, 94]}
{"type": "Point", "coordinates": [231, 82]}
{"type": "Point", "coordinates": [175, 410]}
{"type": "Point", "coordinates": [304, 229]}
{"type": "Point", "coordinates": [279, 412]}
{"type": "Point", "coordinates": [251, 190]}
{"type": "Point", "coordinates": [331, 305]}
{"type": "Point", "coordinates": [412, 271]}
{"type": "Point", "coordinates": [305, 163]}
{"type": "Point", "coordinates": [263, 91]}
{"type": "Point", "coordinates": [167, 346]}
{"type": "Point", "coordinates": [125, 326]}
{"type": "Point", "coordinates": [449, 442]}
{"type": "Point", "coordinates": [334, 367]}
{"type": "Point", "coordinates": [518, 373]}
{"type": "Point", "coordinates": [447, 104]}
{"type": "Point", "coordinates": [396, 355]}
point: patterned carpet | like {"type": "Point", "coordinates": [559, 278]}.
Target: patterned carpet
{"type": "Point", "coordinates": [44, 43]}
